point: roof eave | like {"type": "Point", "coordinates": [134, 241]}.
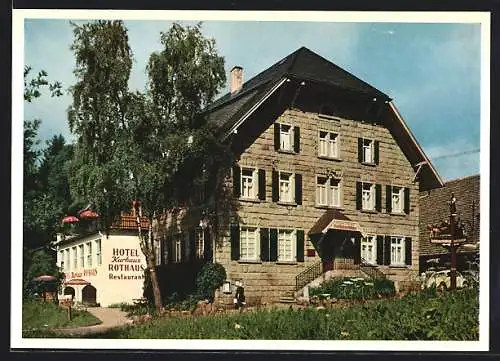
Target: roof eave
{"type": "Point", "coordinates": [254, 107]}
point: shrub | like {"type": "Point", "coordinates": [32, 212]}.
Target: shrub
{"type": "Point", "coordinates": [355, 288]}
{"type": "Point", "coordinates": [210, 277]}
{"type": "Point", "coordinates": [449, 316]}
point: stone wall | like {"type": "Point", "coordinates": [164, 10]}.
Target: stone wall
{"type": "Point", "coordinates": [267, 281]}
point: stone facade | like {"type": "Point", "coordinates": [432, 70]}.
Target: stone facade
{"type": "Point", "coordinates": [266, 281]}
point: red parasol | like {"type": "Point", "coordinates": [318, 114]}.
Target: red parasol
{"type": "Point", "coordinates": [77, 281]}
{"type": "Point", "coordinates": [70, 219]}
{"type": "Point", "coordinates": [89, 214]}
{"type": "Point", "coordinates": [44, 278]}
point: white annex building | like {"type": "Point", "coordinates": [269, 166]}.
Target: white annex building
{"type": "Point", "coordinates": [102, 269]}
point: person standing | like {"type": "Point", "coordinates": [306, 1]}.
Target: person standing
{"type": "Point", "coordinates": [239, 297]}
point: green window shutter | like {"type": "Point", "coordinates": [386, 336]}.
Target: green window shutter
{"type": "Point", "coordinates": [170, 249]}
{"type": "Point", "coordinates": [378, 197]}
{"type": "Point", "coordinates": [184, 246]}
{"type": "Point", "coordinates": [300, 245]}
{"type": "Point", "coordinates": [262, 184]}
{"type": "Point", "coordinates": [207, 246]}
{"type": "Point", "coordinates": [192, 244]}
{"type": "Point", "coordinates": [298, 188]}
{"type": "Point", "coordinates": [387, 250]}
{"type": "Point", "coordinates": [235, 242]}
{"type": "Point", "coordinates": [264, 244]}
{"type": "Point", "coordinates": [296, 139]}
{"type": "Point", "coordinates": [236, 181]}
{"type": "Point", "coordinates": [388, 199]}
{"type": "Point", "coordinates": [275, 186]}
{"type": "Point", "coordinates": [380, 250]}
{"type": "Point", "coordinates": [277, 144]}
{"type": "Point", "coordinates": [359, 193]}
{"type": "Point", "coordinates": [360, 150]}
{"type": "Point", "coordinates": [357, 250]}
{"type": "Point", "coordinates": [376, 151]}
{"type": "Point", "coordinates": [407, 200]}
{"type": "Point", "coordinates": [408, 251]}
{"type": "Point", "coordinates": [273, 244]}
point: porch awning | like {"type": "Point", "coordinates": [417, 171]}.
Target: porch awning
{"type": "Point", "coordinates": [334, 219]}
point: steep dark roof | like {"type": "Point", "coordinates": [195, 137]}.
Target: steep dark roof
{"type": "Point", "coordinates": [227, 112]}
{"type": "Point", "coordinates": [301, 64]}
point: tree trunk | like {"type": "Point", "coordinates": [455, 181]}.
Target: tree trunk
{"type": "Point", "coordinates": [148, 251]}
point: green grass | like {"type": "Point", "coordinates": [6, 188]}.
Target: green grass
{"type": "Point", "coordinates": [39, 316]}
{"type": "Point", "coordinates": [422, 316]}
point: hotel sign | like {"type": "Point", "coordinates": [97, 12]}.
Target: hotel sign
{"type": "Point", "coordinates": [126, 264]}
{"type": "Point", "coordinates": [343, 225]}
{"type": "Point", "coordinates": [85, 273]}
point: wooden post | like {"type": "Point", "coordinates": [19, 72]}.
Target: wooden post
{"type": "Point", "coordinates": [69, 311]}
{"type": "Point", "coordinates": [453, 247]}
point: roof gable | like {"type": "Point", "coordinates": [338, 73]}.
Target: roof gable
{"type": "Point", "coordinates": [230, 111]}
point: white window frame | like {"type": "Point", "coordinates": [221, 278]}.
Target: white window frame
{"type": "Point", "coordinates": [61, 260]}
{"type": "Point", "coordinates": [98, 252]}
{"type": "Point", "coordinates": [68, 259]}
{"type": "Point", "coordinates": [370, 147]}
{"type": "Point", "coordinates": [157, 250]}
{"type": "Point", "coordinates": [366, 242]}
{"type": "Point", "coordinates": [287, 242]}
{"type": "Point", "coordinates": [397, 251]}
{"type": "Point", "coordinates": [252, 253]}
{"type": "Point", "coordinates": [286, 137]}
{"type": "Point", "coordinates": [164, 241]}
{"type": "Point", "coordinates": [177, 256]}
{"type": "Point", "coordinates": [89, 254]}
{"type": "Point", "coordinates": [81, 249]}
{"type": "Point", "coordinates": [328, 146]}
{"type": "Point", "coordinates": [253, 192]}
{"type": "Point", "coordinates": [368, 205]}
{"type": "Point", "coordinates": [200, 243]}
{"type": "Point", "coordinates": [74, 264]}
{"type": "Point", "coordinates": [329, 189]}
{"type": "Point", "coordinates": [291, 187]}
{"type": "Point", "coordinates": [397, 207]}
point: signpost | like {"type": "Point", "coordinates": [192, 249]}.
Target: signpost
{"type": "Point", "coordinates": [449, 234]}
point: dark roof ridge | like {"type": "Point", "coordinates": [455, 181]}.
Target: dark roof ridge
{"type": "Point", "coordinates": [304, 49]}
{"type": "Point", "coordinates": [242, 91]}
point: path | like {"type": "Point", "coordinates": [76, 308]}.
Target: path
{"type": "Point", "coordinates": [110, 317]}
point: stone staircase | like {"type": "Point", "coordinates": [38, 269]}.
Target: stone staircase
{"type": "Point", "coordinates": [288, 297]}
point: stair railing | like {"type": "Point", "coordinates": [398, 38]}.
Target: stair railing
{"type": "Point", "coordinates": [310, 273]}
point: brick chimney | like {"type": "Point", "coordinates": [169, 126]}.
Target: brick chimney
{"type": "Point", "coordinates": [236, 78]}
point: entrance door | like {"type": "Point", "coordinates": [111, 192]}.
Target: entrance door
{"type": "Point", "coordinates": [89, 295]}
{"type": "Point", "coordinates": [69, 291]}
{"type": "Point", "coordinates": [328, 251]}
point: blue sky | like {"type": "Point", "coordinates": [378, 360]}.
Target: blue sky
{"type": "Point", "coordinates": [431, 70]}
